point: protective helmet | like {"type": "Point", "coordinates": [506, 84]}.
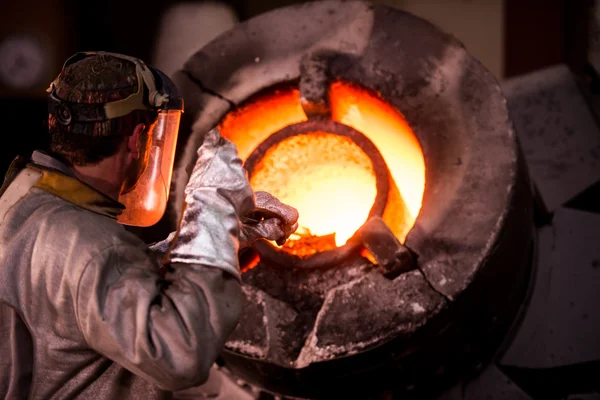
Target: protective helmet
{"type": "Point", "coordinates": [145, 192]}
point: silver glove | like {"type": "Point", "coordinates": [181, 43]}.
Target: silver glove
{"type": "Point", "coordinates": [271, 220]}
{"type": "Point", "coordinates": [217, 194]}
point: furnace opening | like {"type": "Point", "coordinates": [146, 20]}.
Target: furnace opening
{"type": "Point", "coordinates": [327, 177]}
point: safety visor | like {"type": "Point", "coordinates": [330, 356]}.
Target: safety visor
{"type": "Point", "coordinates": [146, 189]}
{"type": "Point", "coordinates": [145, 200]}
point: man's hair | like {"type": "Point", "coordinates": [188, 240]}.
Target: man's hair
{"type": "Point", "coordinates": [93, 80]}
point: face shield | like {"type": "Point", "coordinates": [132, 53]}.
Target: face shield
{"type": "Point", "coordinates": [145, 189]}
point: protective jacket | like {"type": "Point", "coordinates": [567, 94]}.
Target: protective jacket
{"type": "Point", "coordinates": [86, 311]}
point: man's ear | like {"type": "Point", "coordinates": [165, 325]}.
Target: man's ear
{"type": "Point", "coordinates": [133, 142]}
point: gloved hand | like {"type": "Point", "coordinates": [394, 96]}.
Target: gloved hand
{"type": "Point", "coordinates": [217, 195]}
{"type": "Point", "coordinates": [271, 220]}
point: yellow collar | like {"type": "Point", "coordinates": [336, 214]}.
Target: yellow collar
{"type": "Point", "coordinates": [76, 192]}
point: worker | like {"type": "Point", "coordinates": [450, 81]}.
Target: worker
{"type": "Point", "coordinates": [87, 309]}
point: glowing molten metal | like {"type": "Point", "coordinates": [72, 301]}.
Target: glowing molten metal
{"type": "Point", "coordinates": [327, 177]}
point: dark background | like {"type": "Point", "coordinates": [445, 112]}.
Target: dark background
{"type": "Point", "coordinates": [537, 34]}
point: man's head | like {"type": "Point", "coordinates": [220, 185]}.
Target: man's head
{"type": "Point", "coordinates": [97, 80]}
{"type": "Point", "coordinates": [114, 117]}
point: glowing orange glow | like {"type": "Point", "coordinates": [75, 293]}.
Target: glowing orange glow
{"type": "Point", "coordinates": [258, 120]}
{"type": "Point", "coordinates": [389, 131]}
{"type": "Point", "coordinates": [367, 254]}
{"type": "Point", "coordinates": [250, 263]}
{"type": "Point", "coordinates": [327, 177]}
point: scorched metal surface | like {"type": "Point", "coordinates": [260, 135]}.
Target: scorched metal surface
{"type": "Point", "coordinates": [350, 332]}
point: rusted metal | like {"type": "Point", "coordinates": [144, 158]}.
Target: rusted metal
{"type": "Point", "coordinates": [329, 258]}
{"type": "Point", "coordinates": [329, 126]}
{"type": "Point", "coordinates": [314, 85]}
{"type": "Point", "coordinates": [474, 232]}
{"type": "Point", "coordinates": [392, 257]}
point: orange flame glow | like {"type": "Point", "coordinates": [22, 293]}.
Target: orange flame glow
{"type": "Point", "coordinates": [387, 128]}
{"type": "Point", "coordinates": [327, 177]}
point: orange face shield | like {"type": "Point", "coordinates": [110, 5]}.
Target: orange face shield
{"type": "Point", "coordinates": [146, 189]}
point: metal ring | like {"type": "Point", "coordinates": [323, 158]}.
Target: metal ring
{"type": "Point", "coordinates": [328, 258]}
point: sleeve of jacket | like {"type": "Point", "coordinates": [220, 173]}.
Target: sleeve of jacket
{"type": "Point", "coordinates": [168, 330]}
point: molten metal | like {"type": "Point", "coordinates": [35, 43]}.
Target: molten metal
{"type": "Point", "coordinates": [327, 177]}
{"type": "Point", "coordinates": [389, 131]}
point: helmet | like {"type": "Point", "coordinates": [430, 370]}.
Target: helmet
{"type": "Point", "coordinates": [146, 188]}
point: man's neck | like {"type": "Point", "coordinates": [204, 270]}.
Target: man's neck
{"type": "Point", "coordinates": [103, 176]}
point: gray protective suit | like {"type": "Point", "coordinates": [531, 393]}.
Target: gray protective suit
{"type": "Point", "coordinates": [85, 309]}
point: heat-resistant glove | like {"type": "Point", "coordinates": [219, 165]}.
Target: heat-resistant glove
{"type": "Point", "coordinates": [271, 220]}
{"type": "Point", "coordinates": [216, 196]}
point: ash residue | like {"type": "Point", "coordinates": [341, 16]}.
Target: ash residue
{"type": "Point", "coordinates": [303, 291]}
{"type": "Point", "coordinates": [265, 330]}
{"type": "Point", "coordinates": [250, 336]}
{"type": "Point", "coordinates": [298, 317]}
{"type": "Point", "coordinates": [367, 311]}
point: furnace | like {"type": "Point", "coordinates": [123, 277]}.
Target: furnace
{"type": "Point", "coordinates": [323, 163]}
{"type": "Point", "coordinates": [415, 244]}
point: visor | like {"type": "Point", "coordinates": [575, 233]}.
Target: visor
{"type": "Point", "coordinates": [145, 199]}
{"type": "Point", "coordinates": [145, 190]}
